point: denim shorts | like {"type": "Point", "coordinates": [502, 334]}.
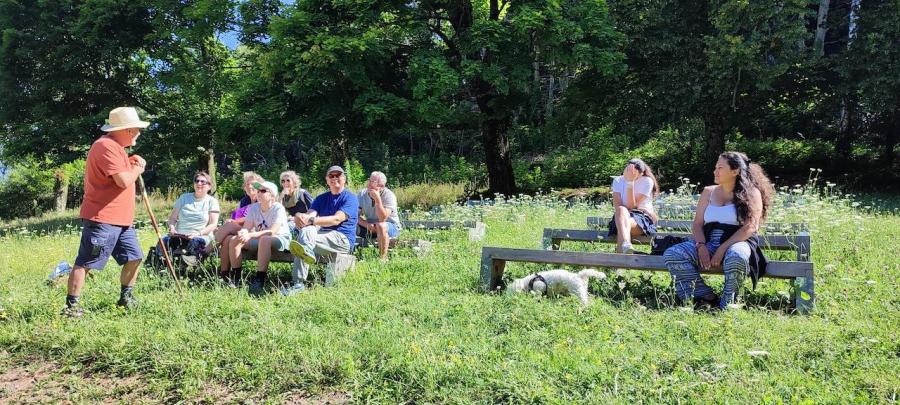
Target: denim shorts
{"type": "Point", "coordinates": [393, 231]}
{"type": "Point", "coordinates": [100, 241]}
{"type": "Point", "coordinates": [279, 243]}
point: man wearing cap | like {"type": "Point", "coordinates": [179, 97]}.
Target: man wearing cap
{"type": "Point", "coordinates": [107, 211]}
{"type": "Point", "coordinates": [379, 205]}
{"type": "Point", "coordinates": [328, 228]}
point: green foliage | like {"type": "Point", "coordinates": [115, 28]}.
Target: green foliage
{"type": "Point", "coordinates": [29, 188]}
{"type": "Point", "coordinates": [424, 196]}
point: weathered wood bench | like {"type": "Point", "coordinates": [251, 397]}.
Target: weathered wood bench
{"type": "Point", "coordinates": [477, 229]}
{"type": "Point", "coordinates": [685, 224]}
{"type": "Point", "coordinates": [493, 263]}
{"type": "Point", "coordinates": [418, 246]}
{"type": "Point", "coordinates": [334, 270]}
{"type": "Point", "coordinates": [797, 236]}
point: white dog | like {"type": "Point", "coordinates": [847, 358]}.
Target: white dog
{"type": "Point", "coordinates": [556, 283]}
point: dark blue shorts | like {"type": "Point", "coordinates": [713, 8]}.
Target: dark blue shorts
{"type": "Point", "coordinates": [643, 222]}
{"type": "Point", "coordinates": [100, 241]}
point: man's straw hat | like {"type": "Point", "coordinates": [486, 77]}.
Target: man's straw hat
{"type": "Point", "coordinates": [123, 118]}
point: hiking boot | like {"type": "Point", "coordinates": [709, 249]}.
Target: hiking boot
{"type": "Point", "coordinates": [127, 301]}
{"type": "Point", "coordinates": [302, 252]}
{"type": "Point", "coordinates": [74, 311]}
{"type": "Point", "coordinates": [256, 288]}
{"type": "Point", "coordinates": [294, 289]}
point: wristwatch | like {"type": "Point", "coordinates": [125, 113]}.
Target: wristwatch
{"type": "Point", "coordinates": [311, 220]}
{"type": "Point", "coordinates": [697, 244]}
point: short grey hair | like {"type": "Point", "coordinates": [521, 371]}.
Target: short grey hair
{"type": "Point", "coordinates": [380, 176]}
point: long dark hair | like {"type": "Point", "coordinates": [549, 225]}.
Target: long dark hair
{"type": "Point", "coordinates": [645, 170]}
{"type": "Point", "coordinates": [750, 176]}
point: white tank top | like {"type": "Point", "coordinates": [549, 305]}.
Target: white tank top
{"type": "Point", "coordinates": [723, 214]}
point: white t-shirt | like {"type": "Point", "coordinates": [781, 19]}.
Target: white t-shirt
{"type": "Point", "coordinates": [264, 220]}
{"type": "Point", "coordinates": [642, 186]}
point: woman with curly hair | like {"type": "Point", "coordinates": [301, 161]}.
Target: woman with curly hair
{"type": "Point", "coordinates": [728, 217]}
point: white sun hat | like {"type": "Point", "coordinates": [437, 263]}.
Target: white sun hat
{"type": "Point", "coordinates": [123, 118]}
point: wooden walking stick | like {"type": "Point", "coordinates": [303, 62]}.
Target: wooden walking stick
{"type": "Point", "coordinates": [159, 239]}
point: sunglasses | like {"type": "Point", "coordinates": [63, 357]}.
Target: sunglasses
{"type": "Point", "coordinates": [262, 190]}
{"type": "Point", "coordinates": [201, 181]}
{"type": "Point", "coordinates": [335, 176]}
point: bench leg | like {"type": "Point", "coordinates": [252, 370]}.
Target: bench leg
{"type": "Point", "coordinates": [804, 293]}
{"type": "Point", "coordinates": [334, 270]}
{"type": "Point", "coordinates": [550, 244]}
{"type": "Point", "coordinates": [491, 273]}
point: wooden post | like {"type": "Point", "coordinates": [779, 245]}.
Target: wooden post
{"type": "Point", "coordinates": [804, 294]}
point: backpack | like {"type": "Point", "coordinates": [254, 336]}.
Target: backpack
{"type": "Point", "coordinates": [659, 244]}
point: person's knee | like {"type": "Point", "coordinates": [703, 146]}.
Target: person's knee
{"type": "Point", "coordinates": [734, 263]}
{"type": "Point", "coordinates": [381, 227]}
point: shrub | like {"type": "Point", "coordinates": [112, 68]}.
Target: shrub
{"type": "Point", "coordinates": [427, 195]}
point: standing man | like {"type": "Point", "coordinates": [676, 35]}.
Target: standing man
{"type": "Point", "coordinates": [107, 211]}
{"type": "Point", "coordinates": [379, 205]}
{"type": "Point", "coordinates": [326, 229]}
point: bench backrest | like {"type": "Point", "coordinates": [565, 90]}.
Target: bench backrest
{"type": "Point", "coordinates": [438, 224]}
{"type": "Point", "coordinates": [685, 225]}
{"type": "Point", "coordinates": [552, 237]}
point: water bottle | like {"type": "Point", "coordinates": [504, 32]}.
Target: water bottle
{"type": "Point", "coordinates": [61, 269]}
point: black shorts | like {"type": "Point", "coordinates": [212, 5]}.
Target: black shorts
{"type": "Point", "coordinates": [643, 221]}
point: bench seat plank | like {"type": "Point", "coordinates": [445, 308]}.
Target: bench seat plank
{"type": "Point", "coordinates": [493, 264]}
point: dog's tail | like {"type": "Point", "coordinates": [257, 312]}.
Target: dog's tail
{"type": "Point", "coordinates": [591, 273]}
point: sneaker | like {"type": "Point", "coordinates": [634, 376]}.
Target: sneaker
{"type": "Point", "coordinates": [256, 287]}
{"type": "Point", "coordinates": [127, 301]}
{"type": "Point", "coordinates": [294, 289]}
{"type": "Point", "coordinates": [73, 312]}
{"type": "Point", "coordinates": [627, 248]}
{"type": "Point", "coordinates": [302, 252]}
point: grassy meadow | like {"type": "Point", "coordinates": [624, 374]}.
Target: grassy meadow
{"type": "Point", "coordinates": [416, 329]}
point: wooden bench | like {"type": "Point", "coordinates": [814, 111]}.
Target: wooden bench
{"type": "Point", "coordinates": [797, 239]}
{"type": "Point", "coordinates": [493, 263]}
{"type": "Point", "coordinates": [418, 246]}
{"type": "Point", "coordinates": [334, 270]}
{"type": "Point", "coordinates": [685, 224]}
{"type": "Point", "coordinates": [477, 229]}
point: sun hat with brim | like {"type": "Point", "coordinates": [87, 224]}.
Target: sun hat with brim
{"type": "Point", "coordinates": [123, 118]}
{"type": "Point", "coordinates": [268, 185]}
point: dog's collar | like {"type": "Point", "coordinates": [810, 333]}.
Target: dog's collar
{"type": "Point", "coordinates": [537, 277]}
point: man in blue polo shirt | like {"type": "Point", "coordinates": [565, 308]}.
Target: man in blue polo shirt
{"type": "Point", "coordinates": [328, 228]}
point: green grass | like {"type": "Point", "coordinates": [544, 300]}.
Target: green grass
{"type": "Point", "coordinates": [417, 330]}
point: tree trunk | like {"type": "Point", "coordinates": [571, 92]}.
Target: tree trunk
{"type": "Point", "coordinates": [821, 27]}
{"type": "Point", "coordinates": [340, 151]}
{"type": "Point", "coordinates": [60, 190]}
{"type": "Point", "coordinates": [715, 127]}
{"type": "Point", "coordinates": [495, 139]}
{"type": "Point", "coordinates": [846, 127]}
{"type": "Point", "coordinates": [206, 162]}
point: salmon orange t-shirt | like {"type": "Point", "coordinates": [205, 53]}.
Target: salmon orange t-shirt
{"type": "Point", "coordinates": [104, 201]}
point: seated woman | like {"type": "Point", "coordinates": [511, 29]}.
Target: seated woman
{"type": "Point", "coordinates": [236, 222]}
{"type": "Point", "coordinates": [295, 199]}
{"type": "Point", "coordinates": [265, 231]}
{"type": "Point", "coordinates": [195, 215]}
{"type": "Point", "coordinates": [724, 232]}
{"type": "Point", "coordinates": [633, 194]}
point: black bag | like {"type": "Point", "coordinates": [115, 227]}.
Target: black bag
{"type": "Point", "coordinates": [659, 244]}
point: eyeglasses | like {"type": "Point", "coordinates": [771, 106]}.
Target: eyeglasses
{"type": "Point", "coordinates": [201, 181]}
{"type": "Point", "coordinates": [335, 176]}
{"type": "Point", "coordinates": [285, 180]}
{"type": "Point", "coordinates": [262, 190]}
